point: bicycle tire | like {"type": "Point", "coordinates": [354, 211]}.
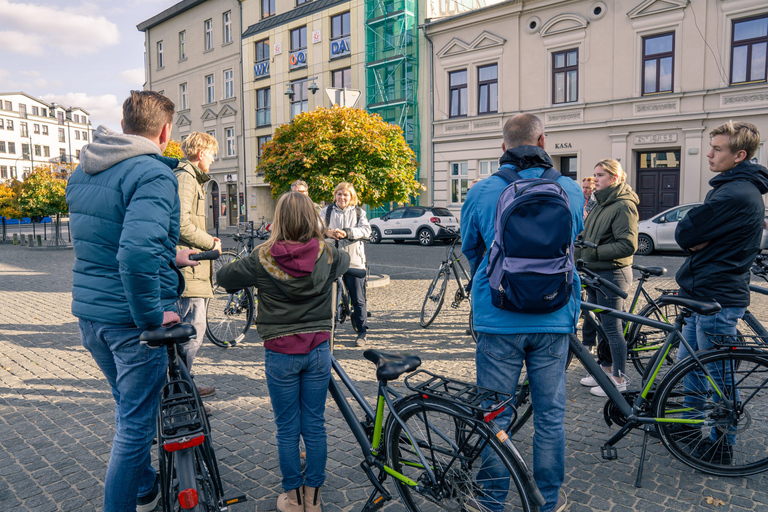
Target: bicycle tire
{"type": "Point", "coordinates": [434, 298]}
{"type": "Point", "coordinates": [644, 341]}
{"type": "Point", "coordinates": [452, 442]}
{"type": "Point", "coordinates": [472, 331]}
{"type": "Point", "coordinates": [229, 316]}
{"type": "Point", "coordinates": [684, 394]}
{"type": "Point", "coordinates": [224, 258]}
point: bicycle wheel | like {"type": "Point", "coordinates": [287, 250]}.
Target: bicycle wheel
{"type": "Point", "coordinates": [736, 442]}
{"type": "Point", "coordinates": [229, 316]}
{"type": "Point", "coordinates": [472, 330]}
{"type": "Point", "coordinates": [433, 301]}
{"type": "Point", "coordinates": [452, 444]}
{"type": "Point", "coordinates": [643, 341]}
{"type": "Point", "coordinates": [223, 259]}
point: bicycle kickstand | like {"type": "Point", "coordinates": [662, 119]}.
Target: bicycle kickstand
{"type": "Point", "coordinates": [379, 496]}
{"type": "Point", "coordinates": [646, 432]}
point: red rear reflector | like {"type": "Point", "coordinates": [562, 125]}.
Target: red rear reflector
{"type": "Point", "coordinates": [434, 219]}
{"type": "Point", "coordinates": [188, 498]}
{"type": "Point", "coordinates": [490, 415]}
{"type": "Point", "coordinates": [184, 443]}
{"type": "Point", "coordinates": [269, 226]}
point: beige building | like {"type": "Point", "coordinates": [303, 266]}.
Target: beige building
{"type": "Point", "coordinates": [641, 81]}
{"type": "Point", "coordinates": [192, 55]}
{"type": "Point", "coordinates": [292, 54]}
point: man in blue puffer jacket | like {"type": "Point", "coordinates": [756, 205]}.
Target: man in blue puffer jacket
{"type": "Point", "coordinates": [124, 218]}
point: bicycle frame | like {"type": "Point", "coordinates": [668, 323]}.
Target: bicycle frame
{"type": "Point", "coordinates": [452, 261]}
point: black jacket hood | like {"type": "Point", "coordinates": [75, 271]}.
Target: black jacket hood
{"type": "Point", "coordinates": [526, 157]}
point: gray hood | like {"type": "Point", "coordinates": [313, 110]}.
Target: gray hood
{"type": "Point", "coordinates": [110, 148]}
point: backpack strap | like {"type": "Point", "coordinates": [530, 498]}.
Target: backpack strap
{"type": "Point", "coordinates": [328, 215]}
{"type": "Point", "coordinates": [507, 173]}
{"type": "Point", "coordinates": [359, 212]}
{"type": "Point", "coordinates": [551, 174]}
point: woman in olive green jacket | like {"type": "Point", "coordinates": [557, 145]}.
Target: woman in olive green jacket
{"type": "Point", "coordinates": [612, 226]}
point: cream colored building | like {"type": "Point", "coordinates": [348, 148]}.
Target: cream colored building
{"type": "Point", "coordinates": [641, 81]}
{"type": "Point", "coordinates": [304, 47]}
{"type": "Point", "coordinates": [192, 55]}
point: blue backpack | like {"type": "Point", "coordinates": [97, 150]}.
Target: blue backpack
{"type": "Point", "coordinates": [530, 262]}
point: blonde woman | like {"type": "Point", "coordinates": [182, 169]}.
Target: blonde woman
{"type": "Point", "coordinates": [347, 225]}
{"type": "Point", "coordinates": [294, 273]}
{"type": "Point", "coordinates": [612, 226]}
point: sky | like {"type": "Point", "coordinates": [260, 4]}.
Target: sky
{"type": "Point", "coordinates": [85, 53]}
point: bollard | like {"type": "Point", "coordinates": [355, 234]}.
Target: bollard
{"type": "Point", "coordinates": [31, 242]}
{"type": "Point", "coordinates": [39, 240]}
{"type": "Point", "coordinates": [15, 239]}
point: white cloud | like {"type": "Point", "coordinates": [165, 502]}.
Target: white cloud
{"type": "Point", "coordinates": [26, 81]}
{"type": "Point", "coordinates": [133, 77]}
{"type": "Point", "coordinates": [104, 109]}
{"type": "Point", "coordinates": [31, 29]}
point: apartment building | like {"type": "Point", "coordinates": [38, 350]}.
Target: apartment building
{"type": "Point", "coordinates": [192, 55]}
{"type": "Point", "coordinates": [641, 81]}
{"type": "Point", "coordinates": [34, 132]}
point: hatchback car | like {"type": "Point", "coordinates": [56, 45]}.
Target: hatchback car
{"type": "Point", "coordinates": [414, 223]}
{"type": "Point", "coordinates": [658, 232]}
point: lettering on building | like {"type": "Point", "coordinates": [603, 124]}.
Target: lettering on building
{"type": "Point", "coordinates": [340, 47]}
{"type": "Point", "coordinates": [485, 124]}
{"type": "Point", "coordinates": [564, 116]}
{"type": "Point", "coordinates": [261, 69]}
{"type": "Point", "coordinates": [746, 98]}
{"type": "Point", "coordinates": [297, 59]}
{"type": "Point", "coordinates": [457, 127]}
{"type": "Point", "coordinates": [655, 107]}
{"type": "Point", "coordinates": [563, 145]}
{"type": "Point", "coordinates": [659, 138]}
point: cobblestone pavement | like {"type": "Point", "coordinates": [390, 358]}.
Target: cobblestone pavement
{"type": "Point", "coordinates": [56, 411]}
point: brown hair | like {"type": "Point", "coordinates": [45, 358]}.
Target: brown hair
{"type": "Point", "coordinates": [299, 183]}
{"type": "Point", "coordinates": [349, 187]}
{"type": "Point", "coordinates": [196, 142]}
{"type": "Point", "coordinates": [296, 220]}
{"type": "Point", "coordinates": [741, 135]}
{"type": "Point", "coordinates": [146, 112]}
{"type": "Point", "coordinates": [522, 130]}
{"type": "Point", "coordinates": [613, 168]}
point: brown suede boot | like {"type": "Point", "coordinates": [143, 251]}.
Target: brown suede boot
{"type": "Point", "coordinates": [291, 501]}
{"type": "Point", "coordinates": [312, 499]}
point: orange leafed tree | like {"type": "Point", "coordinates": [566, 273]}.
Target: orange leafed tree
{"type": "Point", "coordinates": [173, 150]}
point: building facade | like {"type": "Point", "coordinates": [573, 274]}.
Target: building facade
{"type": "Point", "coordinates": [641, 81]}
{"type": "Point", "coordinates": [192, 55]}
{"type": "Point", "coordinates": [34, 132]}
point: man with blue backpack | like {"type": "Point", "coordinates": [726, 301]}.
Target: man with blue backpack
{"type": "Point", "coordinates": [517, 229]}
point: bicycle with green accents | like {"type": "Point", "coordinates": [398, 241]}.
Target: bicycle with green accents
{"type": "Point", "coordinates": [431, 441]}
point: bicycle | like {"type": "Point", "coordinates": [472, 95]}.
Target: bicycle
{"type": "Point", "coordinates": [342, 308]}
{"type": "Point", "coordinates": [432, 440]}
{"type": "Point", "coordinates": [724, 390]}
{"type": "Point", "coordinates": [433, 300]}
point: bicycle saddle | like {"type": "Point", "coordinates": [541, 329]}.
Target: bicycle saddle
{"type": "Point", "coordinates": [160, 336]}
{"type": "Point", "coordinates": [654, 271]}
{"type": "Point", "coordinates": [391, 366]}
{"type": "Point", "coordinates": [702, 307]}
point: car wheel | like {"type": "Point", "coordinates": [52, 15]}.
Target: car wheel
{"type": "Point", "coordinates": [426, 237]}
{"type": "Point", "coordinates": [375, 235]}
{"type": "Point", "coordinates": [644, 245]}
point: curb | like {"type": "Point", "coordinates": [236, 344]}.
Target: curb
{"type": "Point", "coordinates": [377, 280]}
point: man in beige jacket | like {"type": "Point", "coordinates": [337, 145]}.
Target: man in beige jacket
{"type": "Point", "coordinates": [192, 173]}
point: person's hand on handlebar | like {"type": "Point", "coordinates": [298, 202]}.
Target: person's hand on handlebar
{"type": "Point", "coordinates": [217, 244]}
{"type": "Point", "coordinates": [171, 317]}
{"type": "Point", "coordinates": [182, 258]}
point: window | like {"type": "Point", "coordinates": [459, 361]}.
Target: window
{"type": "Point", "coordinates": [226, 20]}
{"type": "Point", "coordinates": [9, 124]}
{"type": "Point", "coordinates": [38, 150]}
{"type": "Point", "coordinates": [35, 111]}
{"type": "Point", "coordinates": [260, 147]}
{"type": "Point", "coordinates": [263, 111]}
{"type": "Point", "coordinates": [160, 63]}
{"type": "Point", "coordinates": [2, 146]}
{"type": "Point", "coordinates": [208, 25]}
{"type": "Point", "coordinates": [77, 118]}
{"type": "Point", "coordinates": [4, 171]}
{"type": "Point", "coordinates": [342, 78]}
{"type": "Point", "coordinates": [77, 134]}
{"type": "Point", "coordinates": [300, 100]}
{"type": "Point", "coordinates": [77, 154]}
{"type": "Point", "coordinates": [46, 151]}
{"type": "Point", "coordinates": [458, 182]}
{"type": "Point", "coordinates": [24, 129]}
{"type": "Point", "coordinates": [488, 167]}
{"type": "Point", "coordinates": [658, 60]}
{"type": "Point", "coordinates": [183, 99]}
{"type": "Point", "coordinates": [12, 170]}
{"type": "Point", "coordinates": [299, 2]}
{"type": "Point", "coordinates": [62, 155]}
{"type": "Point", "coordinates": [229, 84]}
{"type": "Point", "coordinates": [261, 66]}
{"type": "Point", "coordinates": [210, 96]}
{"type": "Point", "coordinates": [44, 112]}
{"type": "Point", "coordinates": [487, 89]}
{"type": "Point", "coordinates": [25, 151]}
{"type": "Point", "coordinates": [12, 148]}
{"type": "Point", "coordinates": [2, 123]}
{"type": "Point", "coordinates": [45, 129]}
{"type": "Point", "coordinates": [748, 50]}
{"type": "Point", "coordinates": [60, 116]}
{"type": "Point", "coordinates": [8, 105]}
{"type": "Point", "coordinates": [458, 93]}
{"type": "Point", "coordinates": [299, 39]}
{"type": "Point", "coordinates": [61, 135]}
{"type": "Point", "coordinates": [565, 76]}
{"type": "Point", "coordinates": [267, 8]}
{"type": "Point", "coordinates": [229, 137]}
{"type": "Point", "coordinates": [85, 135]}
{"type": "Point", "coordinates": [36, 128]}
{"type": "Point", "coordinates": [183, 45]}
{"type": "Point", "coordinates": [22, 110]}
{"type": "Point", "coordinates": [569, 166]}
{"type": "Point", "coordinates": [340, 25]}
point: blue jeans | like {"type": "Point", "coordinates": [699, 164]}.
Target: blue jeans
{"type": "Point", "coordinates": [499, 359]}
{"type": "Point", "coordinates": [694, 331]}
{"type": "Point", "coordinates": [298, 386]}
{"type": "Point", "coordinates": [136, 374]}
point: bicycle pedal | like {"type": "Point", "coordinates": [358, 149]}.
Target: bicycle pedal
{"type": "Point", "coordinates": [609, 452]}
{"type": "Point", "coordinates": [375, 503]}
{"type": "Point", "coordinates": [232, 501]}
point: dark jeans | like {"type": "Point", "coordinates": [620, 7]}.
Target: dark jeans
{"type": "Point", "coordinates": [354, 279]}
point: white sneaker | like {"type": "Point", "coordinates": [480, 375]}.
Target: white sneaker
{"type": "Point", "coordinates": [588, 381]}
{"type": "Point", "coordinates": [621, 386]}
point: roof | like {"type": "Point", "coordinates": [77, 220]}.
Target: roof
{"type": "Point", "coordinates": [299, 12]}
{"type": "Point", "coordinates": [49, 104]}
{"type": "Point", "coordinates": [169, 13]}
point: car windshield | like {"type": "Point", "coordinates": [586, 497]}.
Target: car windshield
{"type": "Point", "coordinates": [442, 212]}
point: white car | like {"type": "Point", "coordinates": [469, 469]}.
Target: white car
{"type": "Point", "coordinates": [414, 223]}
{"type": "Point", "coordinates": [658, 232]}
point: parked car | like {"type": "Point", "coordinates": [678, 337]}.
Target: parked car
{"type": "Point", "coordinates": [658, 232]}
{"type": "Point", "coordinates": [414, 223]}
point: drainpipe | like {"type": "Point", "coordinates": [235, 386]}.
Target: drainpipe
{"type": "Point", "coordinates": [242, 112]}
{"type": "Point", "coordinates": [431, 115]}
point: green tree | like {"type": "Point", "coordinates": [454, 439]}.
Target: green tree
{"type": "Point", "coordinates": [42, 193]}
{"type": "Point", "coordinates": [330, 145]}
{"type": "Point", "coordinates": [9, 202]}
{"type": "Point", "coordinates": [173, 150]}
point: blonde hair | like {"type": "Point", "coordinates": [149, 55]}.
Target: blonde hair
{"type": "Point", "coordinates": [613, 168]}
{"type": "Point", "coordinates": [741, 136]}
{"type": "Point", "coordinates": [196, 142]}
{"type": "Point", "coordinates": [296, 220]}
{"type": "Point", "coordinates": [348, 187]}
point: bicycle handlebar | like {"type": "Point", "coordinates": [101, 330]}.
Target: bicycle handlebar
{"type": "Point", "coordinates": [213, 254]}
{"type": "Point", "coordinates": [583, 244]}
{"type": "Point", "coordinates": [441, 226]}
{"type": "Point", "coordinates": [592, 280]}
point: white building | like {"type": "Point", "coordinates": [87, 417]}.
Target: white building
{"type": "Point", "coordinates": [34, 132]}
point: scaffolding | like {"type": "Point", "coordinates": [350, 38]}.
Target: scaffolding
{"type": "Point", "coordinates": [391, 62]}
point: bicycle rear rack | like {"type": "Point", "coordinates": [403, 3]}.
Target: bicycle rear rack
{"type": "Point", "coordinates": [668, 291]}
{"type": "Point", "coordinates": [462, 393]}
{"type": "Point", "coordinates": [179, 412]}
{"type": "Point", "coordinates": [738, 340]}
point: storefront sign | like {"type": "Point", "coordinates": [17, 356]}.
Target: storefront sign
{"type": "Point", "coordinates": [316, 36]}
{"type": "Point", "coordinates": [278, 49]}
{"type": "Point", "coordinates": [563, 145]}
{"type": "Point", "coordinates": [261, 69]}
{"type": "Point", "coordinates": [230, 178]}
{"type": "Point", "coordinates": [340, 47]}
{"type": "Point", "coordinates": [298, 59]}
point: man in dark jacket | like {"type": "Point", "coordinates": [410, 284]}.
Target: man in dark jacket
{"type": "Point", "coordinates": [722, 238]}
{"type": "Point", "coordinates": [124, 217]}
